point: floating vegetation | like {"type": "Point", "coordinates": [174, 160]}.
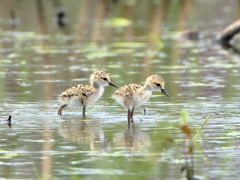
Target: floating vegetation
{"type": "Point", "coordinates": [129, 45]}
{"type": "Point", "coordinates": [100, 54]}
{"type": "Point", "coordinates": [7, 155]}
{"type": "Point", "coordinates": [118, 22]}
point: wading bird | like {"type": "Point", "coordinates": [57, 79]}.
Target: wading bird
{"type": "Point", "coordinates": [84, 95]}
{"type": "Point", "coordinates": [133, 95]}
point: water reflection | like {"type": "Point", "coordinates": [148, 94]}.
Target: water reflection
{"type": "Point", "coordinates": [89, 132]}
{"type": "Point", "coordinates": [132, 139]}
{"type": "Point", "coordinates": [47, 158]}
{"type": "Point", "coordinates": [84, 132]}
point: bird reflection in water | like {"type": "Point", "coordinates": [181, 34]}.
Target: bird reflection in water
{"type": "Point", "coordinates": [132, 139]}
{"type": "Point", "coordinates": [84, 132]}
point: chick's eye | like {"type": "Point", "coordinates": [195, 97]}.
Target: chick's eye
{"type": "Point", "coordinates": [157, 84]}
{"type": "Point", "coordinates": [105, 79]}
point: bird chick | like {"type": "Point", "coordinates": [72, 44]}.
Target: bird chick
{"type": "Point", "coordinates": [83, 95]}
{"type": "Point", "coordinates": [133, 95]}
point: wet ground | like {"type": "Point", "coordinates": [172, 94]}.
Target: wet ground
{"type": "Point", "coordinates": [39, 59]}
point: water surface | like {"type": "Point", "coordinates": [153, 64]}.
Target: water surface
{"type": "Point", "coordinates": [39, 59]}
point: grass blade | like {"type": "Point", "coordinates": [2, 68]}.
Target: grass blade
{"type": "Point", "coordinates": [205, 121]}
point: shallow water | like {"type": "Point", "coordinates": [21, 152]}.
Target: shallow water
{"type": "Point", "coordinates": [39, 60]}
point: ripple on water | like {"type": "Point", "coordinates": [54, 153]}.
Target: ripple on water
{"type": "Point", "coordinates": [91, 171]}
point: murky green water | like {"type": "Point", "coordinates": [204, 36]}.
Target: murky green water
{"type": "Point", "coordinates": [39, 60]}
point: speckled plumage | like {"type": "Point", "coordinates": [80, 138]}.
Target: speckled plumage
{"type": "Point", "coordinates": [134, 95]}
{"type": "Point", "coordinates": [83, 95]}
{"type": "Point", "coordinates": [131, 95]}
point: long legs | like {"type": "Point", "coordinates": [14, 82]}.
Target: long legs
{"type": "Point", "coordinates": [130, 115]}
{"type": "Point", "coordinates": [60, 108]}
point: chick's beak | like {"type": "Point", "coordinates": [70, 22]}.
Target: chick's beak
{"type": "Point", "coordinates": [164, 92]}
{"type": "Point", "coordinates": [111, 84]}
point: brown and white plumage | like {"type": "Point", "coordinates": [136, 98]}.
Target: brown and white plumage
{"type": "Point", "coordinates": [83, 95]}
{"type": "Point", "coordinates": [134, 95]}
